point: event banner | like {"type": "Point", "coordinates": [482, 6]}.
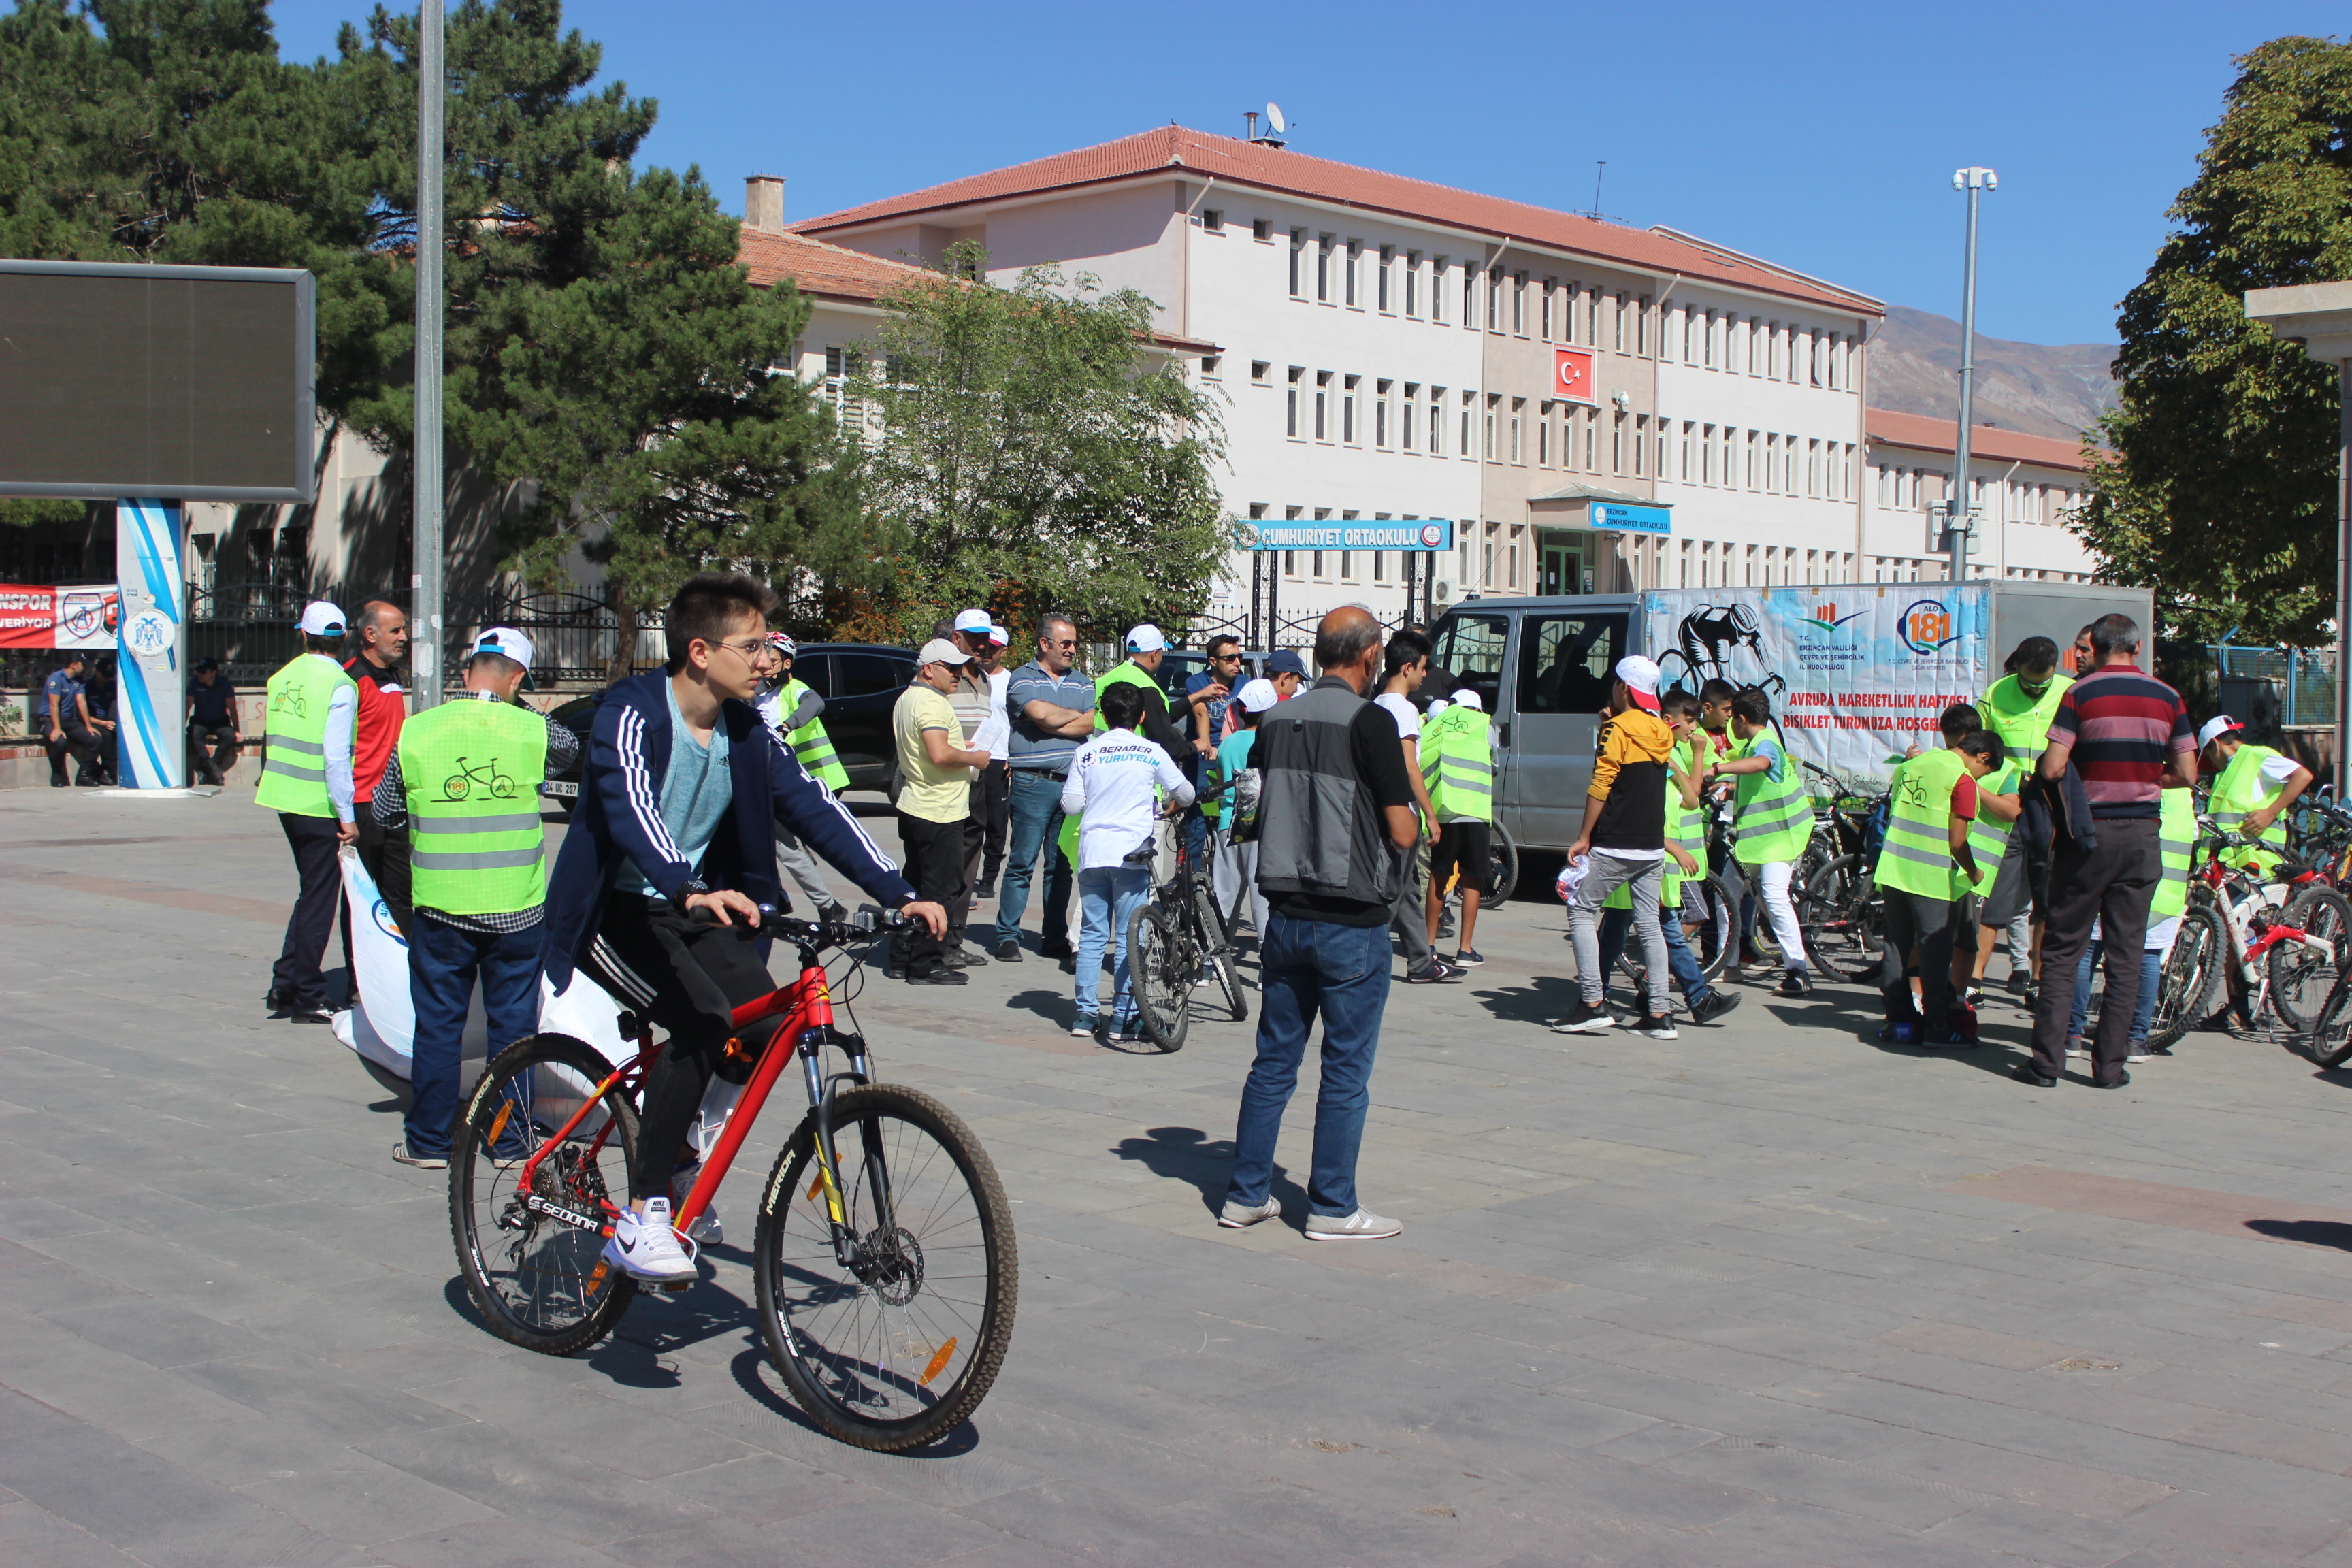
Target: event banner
{"type": "Point", "coordinates": [39, 615]}
{"type": "Point", "coordinates": [1857, 672]}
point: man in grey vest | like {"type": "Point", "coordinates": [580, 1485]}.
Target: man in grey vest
{"type": "Point", "coordinates": [1335, 822]}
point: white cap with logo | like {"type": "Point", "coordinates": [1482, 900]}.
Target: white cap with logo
{"type": "Point", "coordinates": [321, 620]}
{"type": "Point", "coordinates": [504, 641]}
{"type": "Point", "coordinates": [1257, 696]}
{"type": "Point", "coordinates": [1466, 698]}
{"type": "Point", "coordinates": [972, 621]}
{"type": "Point", "coordinates": [1145, 639]}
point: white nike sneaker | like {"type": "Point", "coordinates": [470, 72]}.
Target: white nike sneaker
{"type": "Point", "coordinates": [647, 1247]}
{"type": "Point", "coordinates": [706, 1230]}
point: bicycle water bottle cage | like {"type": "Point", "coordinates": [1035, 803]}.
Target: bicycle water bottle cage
{"type": "Point", "coordinates": [630, 1025]}
{"type": "Point", "coordinates": [738, 1056]}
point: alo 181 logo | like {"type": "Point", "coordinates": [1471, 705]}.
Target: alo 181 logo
{"type": "Point", "coordinates": [1926, 626]}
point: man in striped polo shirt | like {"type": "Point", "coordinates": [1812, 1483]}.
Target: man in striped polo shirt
{"type": "Point", "coordinates": [2126, 738]}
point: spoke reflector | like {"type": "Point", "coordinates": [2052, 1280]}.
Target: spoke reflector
{"type": "Point", "coordinates": [938, 1363]}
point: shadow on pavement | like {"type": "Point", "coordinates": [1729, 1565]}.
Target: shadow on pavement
{"type": "Point", "coordinates": [2310, 1232]}
{"type": "Point", "coordinates": [1538, 1001]}
{"type": "Point", "coordinates": [1189, 1155]}
{"type": "Point", "coordinates": [752, 1371]}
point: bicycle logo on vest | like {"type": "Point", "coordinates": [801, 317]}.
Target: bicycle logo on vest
{"type": "Point", "coordinates": [289, 701]}
{"type": "Point", "coordinates": [456, 785]}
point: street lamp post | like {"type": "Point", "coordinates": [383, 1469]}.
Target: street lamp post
{"type": "Point", "coordinates": [426, 477]}
{"type": "Point", "coordinates": [2319, 317]}
{"type": "Point", "coordinates": [1958, 514]}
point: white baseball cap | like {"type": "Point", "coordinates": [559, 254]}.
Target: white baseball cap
{"type": "Point", "coordinates": [503, 640]}
{"type": "Point", "coordinates": [1641, 677]}
{"type": "Point", "coordinates": [1257, 696]}
{"type": "Point", "coordinates": [939, 650]}
{"type": "Point", "coordinates": [1145, 639]}
{"type": "Point", "coordinates": [999, 636]}
{"type": "Point", "coordinates": [1466, 698]}
{"type": "Point", "coordinates": [972, 621]}
{"type": "Point", "coordinates": [2216, 727]}
{"type": "Point", "coordinates": [321, 620]}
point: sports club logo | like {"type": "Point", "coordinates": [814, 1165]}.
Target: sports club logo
{"type": "Point", "coordinates": [1825, 618]}
{"type": "Point", "coordinates": [1926, 626]}
{"type": "Point", "coordinates": [1433, 534]}
{"type": "Point", "coordinates": [1571, 376]}
{"type": "Point", "coordinates": [381, 915]}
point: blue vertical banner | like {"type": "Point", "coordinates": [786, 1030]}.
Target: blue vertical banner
{"type": "Point", "coordinates": [152, 666]}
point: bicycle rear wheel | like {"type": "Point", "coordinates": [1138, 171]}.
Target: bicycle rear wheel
{"type": "Point", "coordinates": [2330, 1040]}
{"type": "Point", "coordinates": [1162, 963]}
{"type": "Point", "coordinates": [1217, 952]}
{"type": "Point", "coordinates": [2187, 977]}
{"type": "Point", "coordinates": [895, 1346]}
{"type": "Point", "coordinates": [533, 1261]}
{"type": "Point", "coordinates": [2301, 977]}
{"type": "Point", "coordinates": [1706, 925]}
{"type": "Point", "coordinates": [1841, 920]}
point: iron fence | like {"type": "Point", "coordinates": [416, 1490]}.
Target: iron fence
{"type": "Point", "coordinates": [2306, 679]}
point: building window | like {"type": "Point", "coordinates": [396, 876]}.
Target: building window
{"type": "Point", "coordinates": [1259, 370]}
{"type": "Point", "coordinates": [1520, 304]}
{"type": "Point", "coordinates": [1543, 437]}
{"type": "Point", "coordinates": [1549, 287]}
{"type": "Point", "coordinates": [1641, 445]}
{"type": "Point", "coordinates": [1411, 282]}
{"type": "Point", "coordinates": [1470, 299]}
{"type": "Point", "coordinates": [1464, 448]}
{"type": "Point", "coordinates": [1355, 253]}
{"type": "Point", "coordinates": [1322, 405]}
{"type": "Point", "coordinates": [1436, 421]}
{"type": "Point", "coordinates": [1831, 353]}
{"type": "Point", "coordinates": [1379, 566]}
{"type": "Point", "coordinates": [1210, 365]}
{"type": "Point", "coordinates": [1346, 566]}
{"type": "Point", "coordinates": [1290, 425]}
{"type": "Point", "coordinates": [1773, 351]}
{"type": "Point", "coordinates": [1261, 228]}
{"type": "Point", "coordinates": [1212, 221]}
{"type": "Point", "coordinates": [1642, 329]}
{"type": "Point", "coordinates": [1487, 448]}
{"type": "Point", "coordinates": [1486, 563]}
{"type": "Point", "coordinates": [1388, 259]}
{"type": "Point", "coordinates": [1437, 290]}
{"type": "Point", "coordinates": [1812, 467]}
{"type": "Point", "coordinates": [1380, 415]}
{"type": "Point", "coordinates": [1517, 419]}
{"type": "Point", "coordinates": [1348, 410]}
{"type": "Point", "coordinates": [1617, 445]}
{"type": "Point", "coordinates": [1617, 323]}
{"type": "Point", "coordinates": [1297, 258]}
{"type": "Point", "coordinates": [1323, 244]}
{"type": "Point", "coordinates": [1591, 440]}
{"type": "Point", "coordinates": [1514, 558]}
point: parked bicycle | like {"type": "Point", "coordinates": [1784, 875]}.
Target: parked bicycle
{"type": "Point", "coordinates": [2283, 941]}
{"type": "Point", "coordinates": [1177, 943]}
{"type": "Point", "coordinates": [884, 1255]}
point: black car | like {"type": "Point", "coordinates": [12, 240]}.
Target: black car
{"type": "Point", "coordinates": [860, 683]}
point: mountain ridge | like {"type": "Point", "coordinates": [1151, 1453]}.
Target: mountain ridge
{"type": "Point", "coordinates": [2042, 389]}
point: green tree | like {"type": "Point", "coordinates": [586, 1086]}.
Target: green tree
{"type": "Point", "coordinates": [1030, 451]}
{"type": "Point", "coordinates": [2219, 484]}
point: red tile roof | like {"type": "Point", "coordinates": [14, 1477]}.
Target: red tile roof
{"type": "Point", "coordinates": [1930, 434]}
{"type": "Point", "coordinates": [834, 272]}
{"type": "Point", "coordinates": [1251, 164]}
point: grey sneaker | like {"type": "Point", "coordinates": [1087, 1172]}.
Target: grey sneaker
{"type": "Point", "coordinates": [401, 1153]}
{"type": "Point", "coordinates": [1241, 1216]}
{"type": "Point", "coordinates": [1362, 1226]}
{"type": "Point", "coordinates": [706, 1230]}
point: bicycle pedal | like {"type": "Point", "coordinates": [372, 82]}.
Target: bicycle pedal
{"type": "Point", "coordinates": [677, 1287]}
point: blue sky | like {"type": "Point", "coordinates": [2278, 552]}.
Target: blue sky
{"type": "Point", "coordinates": [1821, 136]}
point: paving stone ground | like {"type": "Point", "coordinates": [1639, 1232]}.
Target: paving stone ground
{"type": "Point", "coordinates": [1766, 1295]}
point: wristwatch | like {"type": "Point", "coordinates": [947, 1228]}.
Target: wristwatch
{"type": "Point", "coordinates": [686, 890]}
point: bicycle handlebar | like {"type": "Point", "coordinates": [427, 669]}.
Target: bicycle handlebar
{"type": "Point", "coordinates": [775, 922]}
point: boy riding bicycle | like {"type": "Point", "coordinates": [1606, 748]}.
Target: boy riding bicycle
{"type": "Point", "coordinates": [680, 793]}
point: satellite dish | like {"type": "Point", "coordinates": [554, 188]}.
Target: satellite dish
{"type": "Point", "coordinates": [1274, 119]}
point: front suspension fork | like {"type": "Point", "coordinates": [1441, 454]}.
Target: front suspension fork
{"type": "Point", "coordinates": [821, 1090]}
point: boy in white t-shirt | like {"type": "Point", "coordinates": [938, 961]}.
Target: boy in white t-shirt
{"type": "Point", "coordinates": [1115, 783]}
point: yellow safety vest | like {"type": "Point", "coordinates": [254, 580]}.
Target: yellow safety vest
{"type": "Point", "coordinates": [2176, 837]}
{"type": "Point", "coordinates": [471, 770]}
{"type": "Point", "coordinates": [294, 760]}
{"type": "Point", "coordinates": [2241, 789]}
{"type": "Point", "coordinates": [2022, 722]}
{"type": "Point", "coordinates": [1917, 857]}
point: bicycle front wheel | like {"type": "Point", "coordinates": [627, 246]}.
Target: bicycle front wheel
{"type": "Point", "coordinates": [2301, 977]}
{"type": "Point", "coordinates": [2186, 979]}
{"type": "Point", "coordinates": [533, 1261]}
{"type": "Point", "coordinates": [888, 1322]}
{"type": "Point", "coordinates": [1217, 952]}
{"type": "Point", "coordinates": [2330, 1040]}
{"type": "Point", "coordinates": [1162, 963]}
{"type": "Point", "coordinates": [1836, 913]}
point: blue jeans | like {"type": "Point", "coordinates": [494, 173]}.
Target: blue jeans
{"type": "Point", "coordinates": [1681, 963]}
{"type": "Point", "coordinates": [2151, 971]}
{"type": "Point", "coordinates": [1036, 813]}
{"type": "Point", "coordinates": [442, 964]}
{"type": "Point", "coordinates": [1306, 967]}
{"type": "Point", "coordinates": [1107, 897]}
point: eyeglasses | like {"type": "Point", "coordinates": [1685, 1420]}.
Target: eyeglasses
{"type": "Point", "coordinates": [1226, 658]}
{"type": "Point", "coordinates": [1063, 642]}
{"type": "Point", "coordinates": [749, 650]}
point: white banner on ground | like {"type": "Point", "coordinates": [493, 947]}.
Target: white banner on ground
{"type": "Point", "coordinates": [1857, 672]}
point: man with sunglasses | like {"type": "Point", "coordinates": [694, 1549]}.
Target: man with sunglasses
{"type": "Point", "coordinates": [673, 842]}
{"type": "Point", "coordinates": [1052, 708]}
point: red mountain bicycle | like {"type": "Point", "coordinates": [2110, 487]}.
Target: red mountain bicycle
{"type": "Point", "coordinates": [884, 1254]}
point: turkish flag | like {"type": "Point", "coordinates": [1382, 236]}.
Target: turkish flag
{"type": "Point", "coordinates": [1571, 376]}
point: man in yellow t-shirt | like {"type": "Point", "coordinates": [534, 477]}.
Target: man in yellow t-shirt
{"type": "Point", "coordinates": [935, 803]}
